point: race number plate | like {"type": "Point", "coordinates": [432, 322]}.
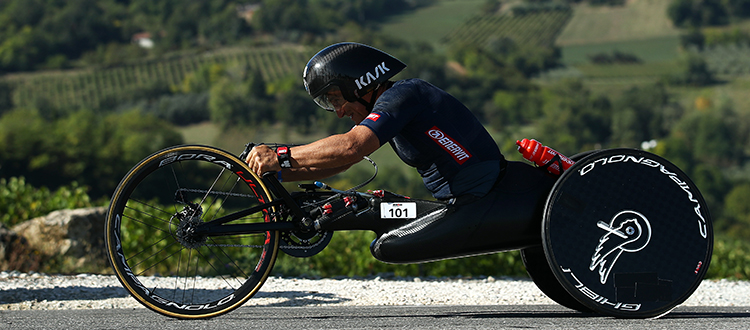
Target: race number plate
{"type": "Point", "coordinates": [406, 210]}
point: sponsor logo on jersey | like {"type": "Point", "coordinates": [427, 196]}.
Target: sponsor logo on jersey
{"type": "Point", "coordinates": [459, 153]}
{"type": "Point", "coordinates": [373, 117]}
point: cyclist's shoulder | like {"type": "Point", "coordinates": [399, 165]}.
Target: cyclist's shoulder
{"type": "Point", "coordinates": [412, 83]}
{"type": "Point", "coordinates": [413, 90]}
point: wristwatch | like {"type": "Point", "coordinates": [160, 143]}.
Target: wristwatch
{"type": "Point", "coordinates": [284, 156]}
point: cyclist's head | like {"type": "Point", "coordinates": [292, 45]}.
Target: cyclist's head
{"type": "Point", "coordinates": [351, 68]}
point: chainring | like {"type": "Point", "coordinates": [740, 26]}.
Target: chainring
{"type": "Point", "coordinates": [304, 244]}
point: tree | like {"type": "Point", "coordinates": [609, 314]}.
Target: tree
{"type": "Point", "coordinates": [295, 110]}
{"type": "Point", "coordinates": [22, 134]}
{"type": "Point", "coordinates": [21, 50]}
{"type": "Point", "coordinates": [308, 17]}
{"type": "Point", "coordinates": [680, 12]}
{"type": "Point", "coordinates": [92, 149]}
{"type": "Point", "coordinates": [738, 8]}
{"type": "Point", "coordinates": [76, 26]}
{"type": "Point", "coordinates": [128, 138]}
{"type": "Point", "coordinates": [694, 37]}
{"type": "Point", "coordinates": [50, 33]}
{"type": "Point", "coordinates": [694, 72]}
{"type": "Point", "coordinates": [737, 210]}
{"type": "Point", "coordinates": [713, 138]}
{"type": "Point", "coordinates": [6, 97]}
{"type": "Point", "coordinates": [642, 114]}
{"type": "Point", "coordinates": [232, 104]}
{"type": "Point", "coordinates": [573, 119]}
{"type": "Point", "coordinates": [697, 13]}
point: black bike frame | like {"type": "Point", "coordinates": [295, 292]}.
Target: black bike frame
{"type": "Point", "coordinates": [300, 220]}
{"type": "Point", "coordinates": [221, 226]}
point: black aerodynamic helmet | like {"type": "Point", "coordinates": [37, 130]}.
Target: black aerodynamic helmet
{"type": "Point", "coordinates": [354, 68]}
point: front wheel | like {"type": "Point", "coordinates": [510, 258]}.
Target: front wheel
{"type": "Point", "coordinates": [155, 254]}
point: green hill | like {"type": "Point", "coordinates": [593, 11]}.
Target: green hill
{"type": "Point", "coordinates": [637, 20]}
{"type": "Point", "coordinates": [88, 88]}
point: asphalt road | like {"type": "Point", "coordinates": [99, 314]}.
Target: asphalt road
{"type": "Point", "coordinates": [369, 317]}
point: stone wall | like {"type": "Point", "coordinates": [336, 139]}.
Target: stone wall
{"type": "Point", "coordinates": [72, 240]}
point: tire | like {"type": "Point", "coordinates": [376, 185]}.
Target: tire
{"type": "Point", "coordinates": [540, 272]}
{"type": "Point", "coordinates": [176, 274]}
{"type": "Point", "coordinates": [538, 269]}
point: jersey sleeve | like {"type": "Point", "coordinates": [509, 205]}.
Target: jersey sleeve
{"type": "Point", "coordinates": [394, 109]}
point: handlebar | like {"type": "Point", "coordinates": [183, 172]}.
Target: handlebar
{"type": "Point", "coordinates": [268, 175]}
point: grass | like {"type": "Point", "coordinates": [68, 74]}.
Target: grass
{"type": "Point", "coordinates": [637, 20]}
{"type": "Point", "coordinates": [647, 69]}
{"type": "Point", "coordinates": [203, 133]}
{"type": "Point", "coordinates": [430, 24]}
{"type": "Point", "coordinates": [657, 49]}
{"type": "Point", "coordinates": [732, 91]}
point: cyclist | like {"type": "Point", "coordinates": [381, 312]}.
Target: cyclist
{"type": "Point", "coordinates": [428, 129]}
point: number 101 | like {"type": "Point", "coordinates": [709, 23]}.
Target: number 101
{"type": "Point", "coordinates": [398, 210]}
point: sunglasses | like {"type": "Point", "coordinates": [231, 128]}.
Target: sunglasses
{"type": "Point", "coordinates": [331, 99]}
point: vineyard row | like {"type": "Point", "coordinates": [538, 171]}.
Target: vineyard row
{"type": "Point", "coordinates": [91, 87]}
{"type": "Point", "coordinates": [539, 29]}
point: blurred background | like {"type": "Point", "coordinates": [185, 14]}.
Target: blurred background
{"type": "Point", "coordinates": [90, 87]}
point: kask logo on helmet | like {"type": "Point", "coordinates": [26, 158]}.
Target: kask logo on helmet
{"type": "Point", "coordinates": [368, 77]}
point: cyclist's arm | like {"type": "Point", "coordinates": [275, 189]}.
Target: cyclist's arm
{"type": "Point", "coordinates": [321, 158]}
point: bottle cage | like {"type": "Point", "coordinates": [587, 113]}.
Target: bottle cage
{"type": "Point", "coordinates": [555, 159]}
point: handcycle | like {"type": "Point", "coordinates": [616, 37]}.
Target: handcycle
{"type": "Point", "coordinates": [622, 232]}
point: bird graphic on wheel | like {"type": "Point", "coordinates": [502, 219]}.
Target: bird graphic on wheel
{"type": "Point", "coordinates": [628, 231]}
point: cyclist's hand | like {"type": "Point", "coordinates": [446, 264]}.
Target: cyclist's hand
{"type": "Point", "coordinates": [262, 159]}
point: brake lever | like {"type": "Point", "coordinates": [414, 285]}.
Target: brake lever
{"type": "Point", "coordinates": [249, 146]}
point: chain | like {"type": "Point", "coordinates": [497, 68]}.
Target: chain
{"type": "Point", "coordinates": [229, 194]}
{"type": "Point", "coordinates": [283, 247]}
{"type": "Point", "coordinates": [220, 193]}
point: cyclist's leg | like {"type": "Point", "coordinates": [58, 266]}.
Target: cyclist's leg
{"type": "Point", "coordinates": [507, 218]}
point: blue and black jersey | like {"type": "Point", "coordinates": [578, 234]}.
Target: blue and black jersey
{"type": "Point", "coordinates": [434, 132]}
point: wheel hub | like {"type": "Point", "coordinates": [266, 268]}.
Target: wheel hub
{"type": "Point", "coordinates": [184, 231]}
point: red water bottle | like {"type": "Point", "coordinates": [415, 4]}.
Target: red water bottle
{"type": "Point", "coordinates": [543, 156]}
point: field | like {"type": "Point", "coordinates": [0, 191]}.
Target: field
{"type": "Point", "coordinates": [639, 28]}
{"type": "Point", "coordinates": [657, 49]}
{"type": "Point", "coordinates": [637, 20]}
{"type": "Point", "coordinates": [430, 24]}
{"type": "Point", "coordinates": [538, 29]}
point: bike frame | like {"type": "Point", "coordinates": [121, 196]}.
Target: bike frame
{"type": "Point", "coordinates": [364, 219]}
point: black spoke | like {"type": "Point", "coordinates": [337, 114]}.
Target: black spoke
{"type": "Point", "coordinates": [146, 224]}
{"type": "Point", "coordinates": [131, 257]}
{"type": "Point", "coordinates": [156, 263]}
